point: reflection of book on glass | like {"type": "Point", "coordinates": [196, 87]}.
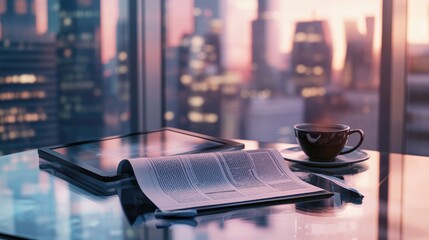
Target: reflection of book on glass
{"type": "Point", "coordinates": [218, 179]}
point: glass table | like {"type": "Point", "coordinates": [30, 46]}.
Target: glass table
{"type": "Point", "coordinates": [38, 203]}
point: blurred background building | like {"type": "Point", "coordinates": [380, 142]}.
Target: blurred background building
{"type": "Point", "coordinates": [79, 71]}
{"type": "Point", "coordinates": [28, 112]}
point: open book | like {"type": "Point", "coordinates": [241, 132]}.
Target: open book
{"type": "Point", "coordinates": [217, 179]}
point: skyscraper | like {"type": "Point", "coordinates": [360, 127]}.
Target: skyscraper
{"type": "Point", "coordinates": [358, 71]}
{"type": "Point", "coordinates": [311, 58]}
{"type": "Point", "coordinates": [205, 12]}
{"type": "Point", "coordinates": [199, 69]}
{"type": "Point", "coordinates": [199, 87]}
{"type": "Point", "coordinates": [18, 19]}
{"type": "Point", "coordinates": [117, 79]}
{"type": "Point", "coordinates": [27, 81]}
{"type": "Point", "coordinates": [79, 70]}
{"type": "Point", "coordinates": [265, 48]}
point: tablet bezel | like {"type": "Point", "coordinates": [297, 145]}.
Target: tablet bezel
{"type": "Point", "coordinates": [49, 153]}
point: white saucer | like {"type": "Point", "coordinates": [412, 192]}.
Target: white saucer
{"type": "Point", "coordinates": [295, 154]}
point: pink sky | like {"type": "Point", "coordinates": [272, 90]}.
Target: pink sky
{"type": "Point", "coordinates": [336, 12]}
{"type": "Point", "coordinates": [238, 15]}
{"type": "Point", "coordinates": [109, 18]}
{"type": "Point", "coordinates": [418, 21]}
{"type": "Point", "coordinates": [41, 16]}
{"type": "Point", "coordinates": [180, 19]}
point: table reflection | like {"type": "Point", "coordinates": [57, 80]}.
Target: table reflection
{"type": "Point", "coordinates": [36, 203]}
{"type": "Point", "coordinates": [310, 214]}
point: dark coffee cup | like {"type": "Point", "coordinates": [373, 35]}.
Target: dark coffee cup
{"type": "Point", "coordinates": [323, 142]}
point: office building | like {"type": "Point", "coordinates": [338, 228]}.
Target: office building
{"type": "Point", "coordinates": [265, 49]}
{"type": "Point", "coordinates": [311, 58]}
{"type": "Point", "coordinates": [200, 72]}
{"type": "Point", "coordinates": [358, 70]}
{"type": "Point", "coordinates": [171, 87]}
{"type": "Point", "coordinates": [199, 87]}
{"type": "Point", "coordinates": [79, 71]}
{"type": "Point", "coordinates": [205, 12]}
{"type": "Point", "coordinates": [117, 79]}
{"type": "Point", "coordinates": [27, 81]}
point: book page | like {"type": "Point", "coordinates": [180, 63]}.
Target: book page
{"type": "Point", "coordinates": [215, 179]}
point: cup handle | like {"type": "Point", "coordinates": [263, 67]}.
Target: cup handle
{"type": "Point", "coordinates": [357, 145]}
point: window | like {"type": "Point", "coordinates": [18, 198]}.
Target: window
{"type": "Point", "coordinates": [253, 69]}
{"type": "Point", "coordinates": [72, 70]}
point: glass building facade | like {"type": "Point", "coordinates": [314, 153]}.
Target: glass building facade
{"type": "Point", "coordinates": [28, 112]}
{"type": "Point", "coordinates": [56, 84]}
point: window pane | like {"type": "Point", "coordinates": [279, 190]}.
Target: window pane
{"type": "Point", "coordinates": [63, 71]}
{"type": "Point", "coordinates": [253, 69]}
{"type": "Point", "coordinates": [417, 128]}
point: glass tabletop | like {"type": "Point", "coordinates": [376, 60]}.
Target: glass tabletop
{"type": "Point", "coordinates": [39, 203]}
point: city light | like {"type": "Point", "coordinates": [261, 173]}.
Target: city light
{"type": "Point", "coordinates": [169, 116]}
{"type": "Point", "coordinates": [196, 101]}
{"type": "Point", "coordinates": [186, 79]}
{"type": "Point", "coordinates": [211, 117]}
{"type": "Point", "coordinates": [20, 79]}
{"type": "Point", "coordinates": [313, 92]}
{"type": "Point", "coordinates": [67, 21]}
{"type": "Point", "coordinates": [195, 117]}
{"type": "Point", "coordinates": [122, 56]}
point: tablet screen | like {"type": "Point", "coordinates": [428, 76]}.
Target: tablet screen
{"type": "Point", "coordinates": [103, 156]}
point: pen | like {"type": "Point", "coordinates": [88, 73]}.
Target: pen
{"type": "Point", "coordinates": [187, 213]}
{"type": "Point", "coordinates": [340, 183]}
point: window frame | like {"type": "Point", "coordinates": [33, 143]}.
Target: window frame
{"type": "Point", "coordinates": [147, 66]}
{"type": "Point", "coordinates": [393, 85]}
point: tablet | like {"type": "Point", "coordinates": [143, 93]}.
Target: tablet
{"type": "Point", "coordinates": [99, 158]}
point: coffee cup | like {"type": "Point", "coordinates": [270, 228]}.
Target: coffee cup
{"type": "Point", "coordinates": [324, 142]}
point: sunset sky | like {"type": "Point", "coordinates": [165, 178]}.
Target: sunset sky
{"type": "Point", "coordinates": [336, 12]}
{"type": "Point", "coordinates": [238, 14]}
{"type": "Point", "coordinates": [109, 18]}
{"type": "Point", "coordinates": [418, 21]}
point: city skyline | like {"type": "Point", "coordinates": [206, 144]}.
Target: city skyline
{"type": "Point", "coordinates": [272, 95]}
{"type": "Point", "coordinates": [239, 15]}
{"type": "Point", "coordinates": [417, 29]}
